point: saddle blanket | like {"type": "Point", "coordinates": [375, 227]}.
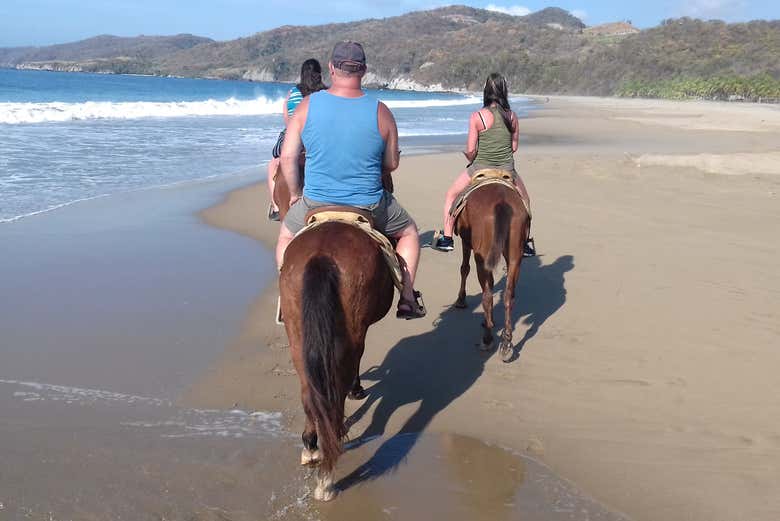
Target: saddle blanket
{"type": "Point", "coordinates": [480, 179]}
{"type": "Point", "coordinates": [362, 223]}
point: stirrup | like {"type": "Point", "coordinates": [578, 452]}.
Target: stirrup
{"type": "Point", "coordinates": [278, 318]}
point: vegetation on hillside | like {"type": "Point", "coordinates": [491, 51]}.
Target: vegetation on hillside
{"type": "Point", "coordinates": [762, 88]}
{"type": "Point", "coordinates": [104, 47]}
{"type": "Point", "coordinates": [554, 15]}
{"type": "Point", "coordinates": [456, 47]}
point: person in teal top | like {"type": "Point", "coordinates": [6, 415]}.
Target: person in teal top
{"type": "Point", "coordinates": [311, 81]}
{"type": "Point", "coordinates": [491, 143]}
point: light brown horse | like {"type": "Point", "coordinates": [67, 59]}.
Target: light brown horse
{"type": "Point", "coordinates": [333, 285]}
{"type": "Point", "coordinates": [494, 223]}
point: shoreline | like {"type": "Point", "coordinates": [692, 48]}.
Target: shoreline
{"type": "Point", "coordinates": [430, 90]}
{"type": "Point", "coordinates": [631, 418]}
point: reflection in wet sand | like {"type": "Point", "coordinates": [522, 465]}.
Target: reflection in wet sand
{"type": "Point", "coordinates": [447, 476]}
{"type": "Point", "coordinates": [73, 453]}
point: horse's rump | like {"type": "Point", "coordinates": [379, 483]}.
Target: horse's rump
{"type": "Point", "coordinates": [363, 221]}
{"type": "Point", "coordinates": [364, 277]}
{"type": "Point", "coordinates": [481, 202]}
{"type": "Point", "coordinates": [478, 185]}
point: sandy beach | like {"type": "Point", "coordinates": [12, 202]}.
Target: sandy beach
{"type": "Point", "coordinates": [646, 330]}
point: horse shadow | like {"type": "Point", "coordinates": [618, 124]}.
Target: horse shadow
{"type": "Point", "coordinates": [436, 367]}
{"type": "Point", "coordinates": [540, 293]}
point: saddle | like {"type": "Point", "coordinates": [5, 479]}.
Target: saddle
{"type": "Point", "coordinates": [362, 220]}
{"type": "Point", "coordinates": [481, 179]}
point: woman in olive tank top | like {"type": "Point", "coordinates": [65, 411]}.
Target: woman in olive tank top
{"type": "Point", "coordinates": [491, 143]}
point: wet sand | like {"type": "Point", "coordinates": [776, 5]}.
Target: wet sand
{"type": "Point", "coordinates": [646, 330]}
{"type": "Point", "coordinates": [111, 309]}
{"type": "Point", "coordinates": [74, 453]}
{"type": "Point", "coordinates": [142, 376]}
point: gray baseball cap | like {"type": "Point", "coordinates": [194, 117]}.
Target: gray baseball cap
{"type": "Point", "coordinates": [349, 57]}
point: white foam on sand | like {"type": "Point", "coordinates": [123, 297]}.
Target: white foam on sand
{"type": "Point", "coordinates": [183, 423]}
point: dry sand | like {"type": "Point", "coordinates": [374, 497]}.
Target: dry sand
{"type": "Point", "coordinates": [647, 329]}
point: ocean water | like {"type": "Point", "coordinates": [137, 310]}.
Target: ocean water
{"type": "Point", "coordinates": [68, 137]}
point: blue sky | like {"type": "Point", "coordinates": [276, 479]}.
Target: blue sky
{"type": "Point", "coordinates": [43, 22]}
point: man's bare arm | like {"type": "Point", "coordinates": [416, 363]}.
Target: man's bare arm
{"type": "Point", "coordinates": [291, 150]}
{"type": "Point", "coordinates": [389, 132]}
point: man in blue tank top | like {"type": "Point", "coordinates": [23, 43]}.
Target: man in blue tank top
{"type": "Point", "coordinates": [351, 140]}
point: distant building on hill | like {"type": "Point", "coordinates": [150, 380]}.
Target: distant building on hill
{"type": "Point", "coordinates": [611, 29]}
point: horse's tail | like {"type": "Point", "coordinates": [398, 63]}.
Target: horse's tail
{"type": "Point", "coordinates": [323, 324]}
{"type": "Point", "coordinates": [502, 214]}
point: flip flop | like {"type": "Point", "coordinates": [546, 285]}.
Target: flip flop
{"type": "Point", "coordinates": [414, 309]}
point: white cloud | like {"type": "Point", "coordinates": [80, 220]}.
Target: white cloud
{"type": "Point", "coordinates": [712, 8]}
{"type": "Point", "coordinates": [514, 10]}
{"type": "Point", "coordinates": [579, 13]}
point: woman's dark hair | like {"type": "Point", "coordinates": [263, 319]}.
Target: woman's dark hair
{"type": "Point", "coordinates": [496, 92]}
{"type": "Point", "coordinates": [311, 77]}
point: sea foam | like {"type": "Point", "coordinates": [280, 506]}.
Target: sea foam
{"type": "Point", "coordinates": [182, 423]}
{"type": "Point", "coordinates": [430, 103]}
{"type": "Point", "coordinates": [19, 113]}
{"type": "Point", "coordinates": [54, 112]}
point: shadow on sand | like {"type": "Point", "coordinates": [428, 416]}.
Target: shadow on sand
{"type": "Point", "coordinates": [436, 367]}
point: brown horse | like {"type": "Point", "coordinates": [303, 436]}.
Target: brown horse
{"type": "Point", "coordinates": [333, 285]}
{"type": "Point", "coordinates": [493, 223]}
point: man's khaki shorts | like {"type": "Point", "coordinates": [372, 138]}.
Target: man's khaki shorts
{"type": "Point", "coordinates": [389, 217]}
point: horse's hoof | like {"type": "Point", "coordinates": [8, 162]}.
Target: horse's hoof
{"type": "Point", "coordinates": [506, 351]}
{"type": "Point", "coordinates": [357, 394]}
{"type": "Point", "coordinates": [325, 493]}
{"type": "Point", "coordinates": [460, 304]}
{"type": "Point", "coordinates": [486, 346]}
{"type": "Point", "coordinates": [310, 458]}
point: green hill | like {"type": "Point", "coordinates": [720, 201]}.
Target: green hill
{"type": "Point", "coordinates": [456, 47]}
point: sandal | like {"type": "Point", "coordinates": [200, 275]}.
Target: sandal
{"type": "Point", "coordinates": [411, 309]}
{"type": "Point", "coordinates": [529, 249]}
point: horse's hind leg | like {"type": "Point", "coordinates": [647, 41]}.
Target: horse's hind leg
{"type": "Point", "coordinates": [465, 268]}
{"type": "Point", "coordinates": [310, 455]}
{"type": "Point", "coordinates": [486, 281]}
{"type": "Point", "coordinates": [357, 392]}
{"type": "Point", "coordinates": [506, 350]}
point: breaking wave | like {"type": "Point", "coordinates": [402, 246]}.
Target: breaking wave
{"type": "Point", "coordinates": [424, 103]}
{"type": "Point", "coordinates": [59, 112]}
{"type": "Point", "coordinates": [19, 113]}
